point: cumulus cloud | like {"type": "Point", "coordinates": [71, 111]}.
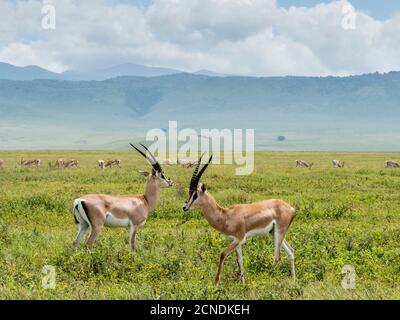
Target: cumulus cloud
{"type": "Point", "coordinates": [248, 37]}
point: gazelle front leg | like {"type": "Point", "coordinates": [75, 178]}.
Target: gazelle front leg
{"type": "Point", "coordinates": [239, 256]}
{"type": "Point", "coordinates": [132, 236]}
{"type": "Point", "coordinates": [224, 254]}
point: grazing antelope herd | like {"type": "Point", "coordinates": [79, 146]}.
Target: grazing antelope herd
{"type": "Point", "coordinates": [271, 217]}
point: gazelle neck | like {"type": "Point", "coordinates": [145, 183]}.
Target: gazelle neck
{"type": "Point", "coordinates": [213, 212]}
{"type": "Point", "coordinates": [152, 193]}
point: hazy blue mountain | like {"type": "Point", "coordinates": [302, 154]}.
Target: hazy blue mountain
{"type": "Point", "coordinates": [350, 113]}
{"type": "Point", "coordinates": [128, 69]}
{"type": "Point", "coordinates": [10, 72]}
{"type": "Point", "coordinates": [209, 73]}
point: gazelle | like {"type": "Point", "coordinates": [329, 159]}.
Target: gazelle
{"type": "Point", "coordinates": [187, 163]}
{"type": "Point", "coordinates": [304, 164]}
{"type": "Point", "coordinates": [71, 163]}
{"type": "Point", "coordinates": [110, 163]}
{"type": "Point", "coordinates": [101, 164]}
{"type": "Point", "coordinates": [337, 164]}
{"type": "Point", "coordinates": [98, 210]}
{"type": "Point", "coordinates": [1, 163]}
{"type": "Point", "coordinates": [242, 221]}
{"type": "Point", "coordinates": [392, 164]}
{"type": "Point", "coordinates": [58, 164]}
{"type": "Point", "coordinates": [169, 162]}
{"type": "Point", "coordinates": [28, 163]}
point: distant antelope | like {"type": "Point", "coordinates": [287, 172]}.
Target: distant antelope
{"type": "Point", "coordinates": [392, 164]}
{"type": "Point", "coordinates": [242, 221]}
{"type": "Point", "coordinates": [58, 164]}
{"type": "Point", "coordinates": [337, 164]}
{"type": "Point", "coordinates": [97, 210]}
{"type": "Point", "coordinates": [71, 163]}
{"type": "Point", "coordinates": [1, 163]}
{"type": "Point", "coordinates": [101, 164]}
{"type": "Point", "coordinates": [187, 163]}
{"type": "Point", "coordinates": [304, 164]}
{"type": "Point", "coordinates": [169, 162]}
{"type": "Point", "coordinates": [110, 163]}
{"type": "Point", "coordinates": [28, 163]}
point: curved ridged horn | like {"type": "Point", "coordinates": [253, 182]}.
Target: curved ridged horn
{"type": "Point", "coordinates": [151, 159]}
{"type": "Point", "coordinates": [193, 183]}
{"type": "Point", "coordinates": [195, 179]}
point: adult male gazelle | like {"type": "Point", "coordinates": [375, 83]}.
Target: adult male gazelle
{"type": "Point", "coordinates": [304, 164]}
{"type": "Point", "coordinates": [242, 221]}
{"type": "Point", "coordinates": [337, 164]}
{"type": "Point", "coordinates": [98, 210]}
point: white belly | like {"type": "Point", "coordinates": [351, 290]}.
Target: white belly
{"type": "Point", "coordinates": [261, 232]}
{"type": "Point", "coordinates": [114, 222]}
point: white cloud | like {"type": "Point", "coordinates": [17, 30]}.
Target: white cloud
{"type": "Point", "coordinates": [253, 37]}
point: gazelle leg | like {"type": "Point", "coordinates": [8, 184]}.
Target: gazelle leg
{"type": "Point", "coordinates": [290, 252]}
{"type": "Point", "coordinates": [278, 238]}
{"type": "Point", "coordinates": [81, 232]}
{"type": "Point", "coordinates": [239, 256]}
{"type": "Point", "coordinates": [224, 254]}
{"type": "Point", "coordinates": [132, 236]}
{"type": "Point", "coordinates": [95, 230]}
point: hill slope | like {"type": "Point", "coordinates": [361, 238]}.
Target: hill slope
{"type": "Point", "coordinates": [352, 113]}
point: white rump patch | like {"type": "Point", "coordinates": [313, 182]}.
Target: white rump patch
{"type": "Point", "coordinates": [261, 231]}
{"type": "Point", "coordinates": [114, 222]}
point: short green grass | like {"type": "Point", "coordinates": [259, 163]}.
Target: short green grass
{"type": "Point", "coordinates": [344, 217]}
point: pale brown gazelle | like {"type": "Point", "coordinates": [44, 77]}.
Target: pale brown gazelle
{"type": "Point", "coordinates": [58, 164]}
{"type": "Point", "coordinates": [71, 163]}
{"type": "Point", "coordinates": [392, 164]}
{"type": "Point", "coordinates": [239, 222]}
{"type": "Point", "coordinates": [98, 210]}
{"type": "Point", "coordinates": [110, 163]}
{"type": "Point", "coordinates": [304, 164]}
{"type": "Point", "coordinates": [28, 163]}
{"type": "Point", "coordinates": [337, 164]}
{"type": "Point", "coordinates": [1, 163]}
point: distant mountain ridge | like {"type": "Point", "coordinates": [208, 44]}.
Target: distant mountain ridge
{"type": "Point", "coordinates": [11, 72]}
{"type": "Point", "coordinates": [312, 113]}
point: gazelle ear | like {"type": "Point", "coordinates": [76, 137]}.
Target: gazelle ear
{"type": "Point", "coordinates": [203, 188]}
{"type": "Point", "coordinates": [144, 173]}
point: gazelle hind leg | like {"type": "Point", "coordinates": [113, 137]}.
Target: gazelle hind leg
{"type": "Point", "coordinates": [94, 232]}
{"type": "Point", "coordinates": [278, 238]}
{"type": "Point", "coordinates": [290, 252]}
{"type": "Point", "coordinates": [82, 228]}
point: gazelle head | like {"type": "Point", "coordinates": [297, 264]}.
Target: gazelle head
{"type": "Point", "coordinates": [196, 189]}
{"type": "Point", "coordinates": [157, 175]}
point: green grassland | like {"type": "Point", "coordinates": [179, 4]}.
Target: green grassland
{"type": "Point", "coordinates": [344, 217]}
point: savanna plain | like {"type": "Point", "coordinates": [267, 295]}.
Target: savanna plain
{"type": "Point", "coordinates": [346, 216]}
